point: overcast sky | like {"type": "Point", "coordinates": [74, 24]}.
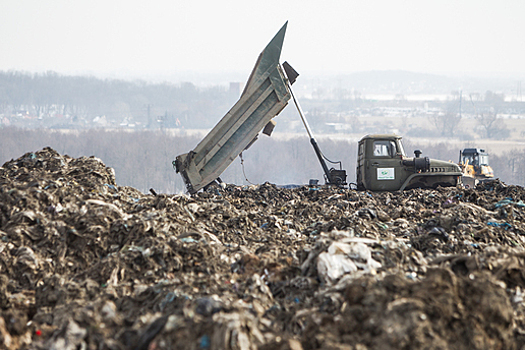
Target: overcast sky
{"type": "Point", "coordinates": [445, 36]}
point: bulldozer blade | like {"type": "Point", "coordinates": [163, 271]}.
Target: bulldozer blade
{"type": "Point", "coordinates": [469, 181]}
{"type": "Point", "coordinates": [263, 97]}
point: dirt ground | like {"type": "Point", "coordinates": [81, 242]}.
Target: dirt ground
{"type": "Point", "coordinates": [88, 264]}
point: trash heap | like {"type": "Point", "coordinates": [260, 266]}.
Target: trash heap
{"type": "Point", "coordinates": [88, 264]}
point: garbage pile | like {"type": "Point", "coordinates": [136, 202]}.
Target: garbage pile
{"type": "Point", "coordinates": [88, 264]}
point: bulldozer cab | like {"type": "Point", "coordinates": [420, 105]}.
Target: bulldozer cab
{"type": "Point", "coordinates": [475, 166]}
{"type": "Point", "coordinates": [474, 156]}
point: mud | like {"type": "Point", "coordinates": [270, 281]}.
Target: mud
{"type": "Point", "coordinates": [88, 264]}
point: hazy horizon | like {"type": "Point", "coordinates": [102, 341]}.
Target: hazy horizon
{"type": "Point", "coordinates": [224, 78]}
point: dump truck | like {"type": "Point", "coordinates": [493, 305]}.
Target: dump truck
{"type": "Point", "coordinates": [474, 163]}
{"type": "Point", "coordinates": [382, 162]}
{"type": "Point", "coordinates": [264, 96]}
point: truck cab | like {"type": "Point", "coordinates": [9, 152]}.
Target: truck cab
{"type": "Point", "coordinates": [382, 165]}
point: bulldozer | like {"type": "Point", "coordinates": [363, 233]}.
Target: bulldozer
{"type": "Point", "coordinates": [382, 162]}
{"type": "Point", "coordinates": [475, 168]}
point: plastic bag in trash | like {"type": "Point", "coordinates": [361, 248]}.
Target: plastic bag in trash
{"type": "Point", "coordinates": [342, 258]}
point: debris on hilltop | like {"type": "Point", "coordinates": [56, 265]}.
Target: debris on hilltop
{"type": "Point", "coordinates": [88, 264]}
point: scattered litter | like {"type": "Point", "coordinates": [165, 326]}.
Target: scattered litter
{"type": "Point", "coordinates": [88, 264]}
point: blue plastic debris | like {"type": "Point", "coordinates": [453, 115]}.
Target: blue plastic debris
{"type": "Point", "coordinates": [204, 342]}
{"type": "Point", "coordinates": [167, 299]}
{"type": "Point", "coordinates": [508, 201]}
{"type": "Point", "coordinates": [134, 199]}
{"type": "Point", "coordinates": [505, 225]}
{"type": "Point", "coordinates": [113, 187]}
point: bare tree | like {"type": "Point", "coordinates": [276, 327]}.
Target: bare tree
{"type": "Point", "coordinates": [446, 122]}
{"type": "Point", "coordinates": [490, 125]}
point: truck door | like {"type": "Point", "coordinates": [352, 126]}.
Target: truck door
{"type": "Point", "coordinates": [384, 168]}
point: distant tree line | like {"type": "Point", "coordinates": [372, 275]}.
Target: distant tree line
{"type": "Point", "coordinates": [38, 100]}
{"type": "Point", "coordinates": [486, 111]}
{"type": "Point", "coordinates": [50, 95]}
{"type": "Point", "coordinates": [144, 159]}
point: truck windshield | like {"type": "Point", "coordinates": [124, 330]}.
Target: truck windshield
{"type": "Point", "coordinates": [384, 148]}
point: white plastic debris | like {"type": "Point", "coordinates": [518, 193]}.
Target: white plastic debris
{"type": "Point", "coordinates": [342, 258]}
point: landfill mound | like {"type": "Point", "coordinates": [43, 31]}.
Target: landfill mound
{"type": "Point", "coordinates": [88, 264]}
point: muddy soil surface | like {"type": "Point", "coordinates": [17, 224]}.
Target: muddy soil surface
{"type": "Point", "coordinates": [88, 264]}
